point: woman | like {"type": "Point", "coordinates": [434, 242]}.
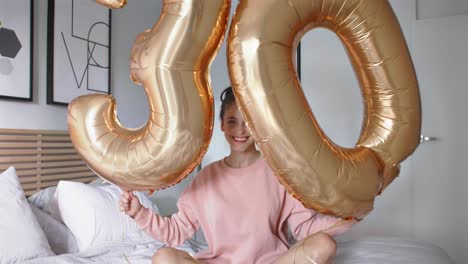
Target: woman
{"type": "Point", "coordinates": [242, 209]}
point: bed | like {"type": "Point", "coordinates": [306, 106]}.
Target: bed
{"type": "Point", "coordinates": [54, 209]}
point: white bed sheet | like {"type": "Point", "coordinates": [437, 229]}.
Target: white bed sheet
{"type": "Point", "coordinates": [378, 250]}
{"type": "Point", "coordinates": [111, 253]}
{"type": "Point", "coordinates": [388, 250]}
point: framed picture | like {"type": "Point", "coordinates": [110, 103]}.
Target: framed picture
{"type": "Point", "coordinates": [16, 44]}
{"type": "Point", "coordinates": [79, 33]}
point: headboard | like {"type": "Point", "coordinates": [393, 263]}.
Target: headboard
{"type": "Point", "coordinates": [41, 158]}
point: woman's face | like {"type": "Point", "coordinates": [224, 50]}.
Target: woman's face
{"type": "Point", "coordinates": [236, 132]}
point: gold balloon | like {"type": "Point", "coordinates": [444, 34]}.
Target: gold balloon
{"type": "Point", "coordinates": [324, 176]}
{"type": "Point", "coordinates": [171, 61]}
{"type": "Point", "coordinates": [113, 3]}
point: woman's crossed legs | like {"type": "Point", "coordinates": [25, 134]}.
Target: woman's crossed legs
{"type": "Point", "coordinates": [168, 255]}
{"type": "Point", "coordinates": [319, 248]}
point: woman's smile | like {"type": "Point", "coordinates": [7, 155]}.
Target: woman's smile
{"type": "Point", "coordinates": [240, 139]}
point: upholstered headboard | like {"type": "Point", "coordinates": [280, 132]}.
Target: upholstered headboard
{"type": "Point", "coordinates": [41, 158]}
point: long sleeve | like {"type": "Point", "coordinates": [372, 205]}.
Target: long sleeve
{"type": "Point", "coordinates": [173, 230]}
{"type": "Point", "coordinates": [304, 222]}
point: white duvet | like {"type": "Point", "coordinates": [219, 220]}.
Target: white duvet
{"type": "Point", "coordinates": [365, 251]}
{"type": "Point", "coordinates": [386, 250]}
{"type": "Point", "coordinates": [111, 253]}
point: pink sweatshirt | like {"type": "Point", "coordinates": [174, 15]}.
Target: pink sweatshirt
{"type": "Point", "coordinates": [242, 213]}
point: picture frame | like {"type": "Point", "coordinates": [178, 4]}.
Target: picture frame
{"type": "Point", "coordinates": [79, 49]}
{"type": "Point", "coordinates": [298, 62]}
{"type": "Point", "coordinates": [16, 49]}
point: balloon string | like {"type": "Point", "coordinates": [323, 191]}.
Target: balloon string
{"type": "Point", "coordinates": [303, 242]}
{"type": "Point", "coordinates": [342, 221]}
{"type": "Point", "coordinates": [126, 258]}
{"type": "Point", "coordinates": [194, 259]}
{"type": "Point", "coordinates": [303, 250]}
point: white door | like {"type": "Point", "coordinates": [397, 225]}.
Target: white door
{"type": "Point", "coordinates": [440, 54]}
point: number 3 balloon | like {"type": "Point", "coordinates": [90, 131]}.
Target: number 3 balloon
{"type": "Point", "coordinates": [326, 177]}
{"type": "Point", "coordinates": [171, 61]}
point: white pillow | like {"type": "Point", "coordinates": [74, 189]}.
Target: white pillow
{"type": "Point", "coordinates": [60, 238]}
{"type": "Point", "coordinates": [47, 199]}
{"type": "Point", "coordinates": [21, 237]}
{"type": "Point", "coordinates": [41, 198]}
{"type": "Point", "coordinates": [92, 214]}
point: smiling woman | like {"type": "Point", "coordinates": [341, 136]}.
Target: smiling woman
{"type": "Point", "coordinates": [235, 131]}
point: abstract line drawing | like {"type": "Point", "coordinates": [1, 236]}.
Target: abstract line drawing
{"type": "Point", "coordinates": [91, 45]}
{"type": "Point", "coordinates": [79, 41]}
{"type": "Point", "coordinates": [16, 41]}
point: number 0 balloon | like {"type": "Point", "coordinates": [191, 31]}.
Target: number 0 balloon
{"type": "Point", "coordinates": [171, 61]}
{"type": "Point", "coordinates": [324, 176]}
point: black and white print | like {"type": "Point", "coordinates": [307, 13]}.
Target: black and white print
{"type": "Point", "coordinates": [79, 50]}
{"type": "Point", "coordinates": [16, 49]}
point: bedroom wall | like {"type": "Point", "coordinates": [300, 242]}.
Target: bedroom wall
{"type": "Point", "coordinates": [436, 8]}
{"type": "Point", "coordinates": [439, 190]}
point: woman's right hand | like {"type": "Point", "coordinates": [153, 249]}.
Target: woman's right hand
{"type": "Point", "coordinates": [129, 204]}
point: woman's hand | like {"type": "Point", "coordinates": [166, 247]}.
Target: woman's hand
{"type": "Point", "coordinates": [129, 204]}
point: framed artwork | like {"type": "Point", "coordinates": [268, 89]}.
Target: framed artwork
{"type": "Point", "coordinates": [79, 33]}
{"type": "Point", "coordinates": [16, 45]}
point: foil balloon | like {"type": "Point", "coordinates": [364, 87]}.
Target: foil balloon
{"type": "Point", "coordinates": [113, 3]}
{"type": "Point", "coordinates": [171, 61]}
{"type": "Point", "coordinates": [322, 175]}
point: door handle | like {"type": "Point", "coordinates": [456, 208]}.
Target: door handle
{"type": "Point", "coordinates": [425, 139]}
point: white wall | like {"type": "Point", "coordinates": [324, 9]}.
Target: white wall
{"type": "Point", "coordinates": [438, 8]}
{"type": "Point", "coordinates": [439, 166]}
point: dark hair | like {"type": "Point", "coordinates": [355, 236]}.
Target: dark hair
{"type": "Point", "coordinates": [227, 98]}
